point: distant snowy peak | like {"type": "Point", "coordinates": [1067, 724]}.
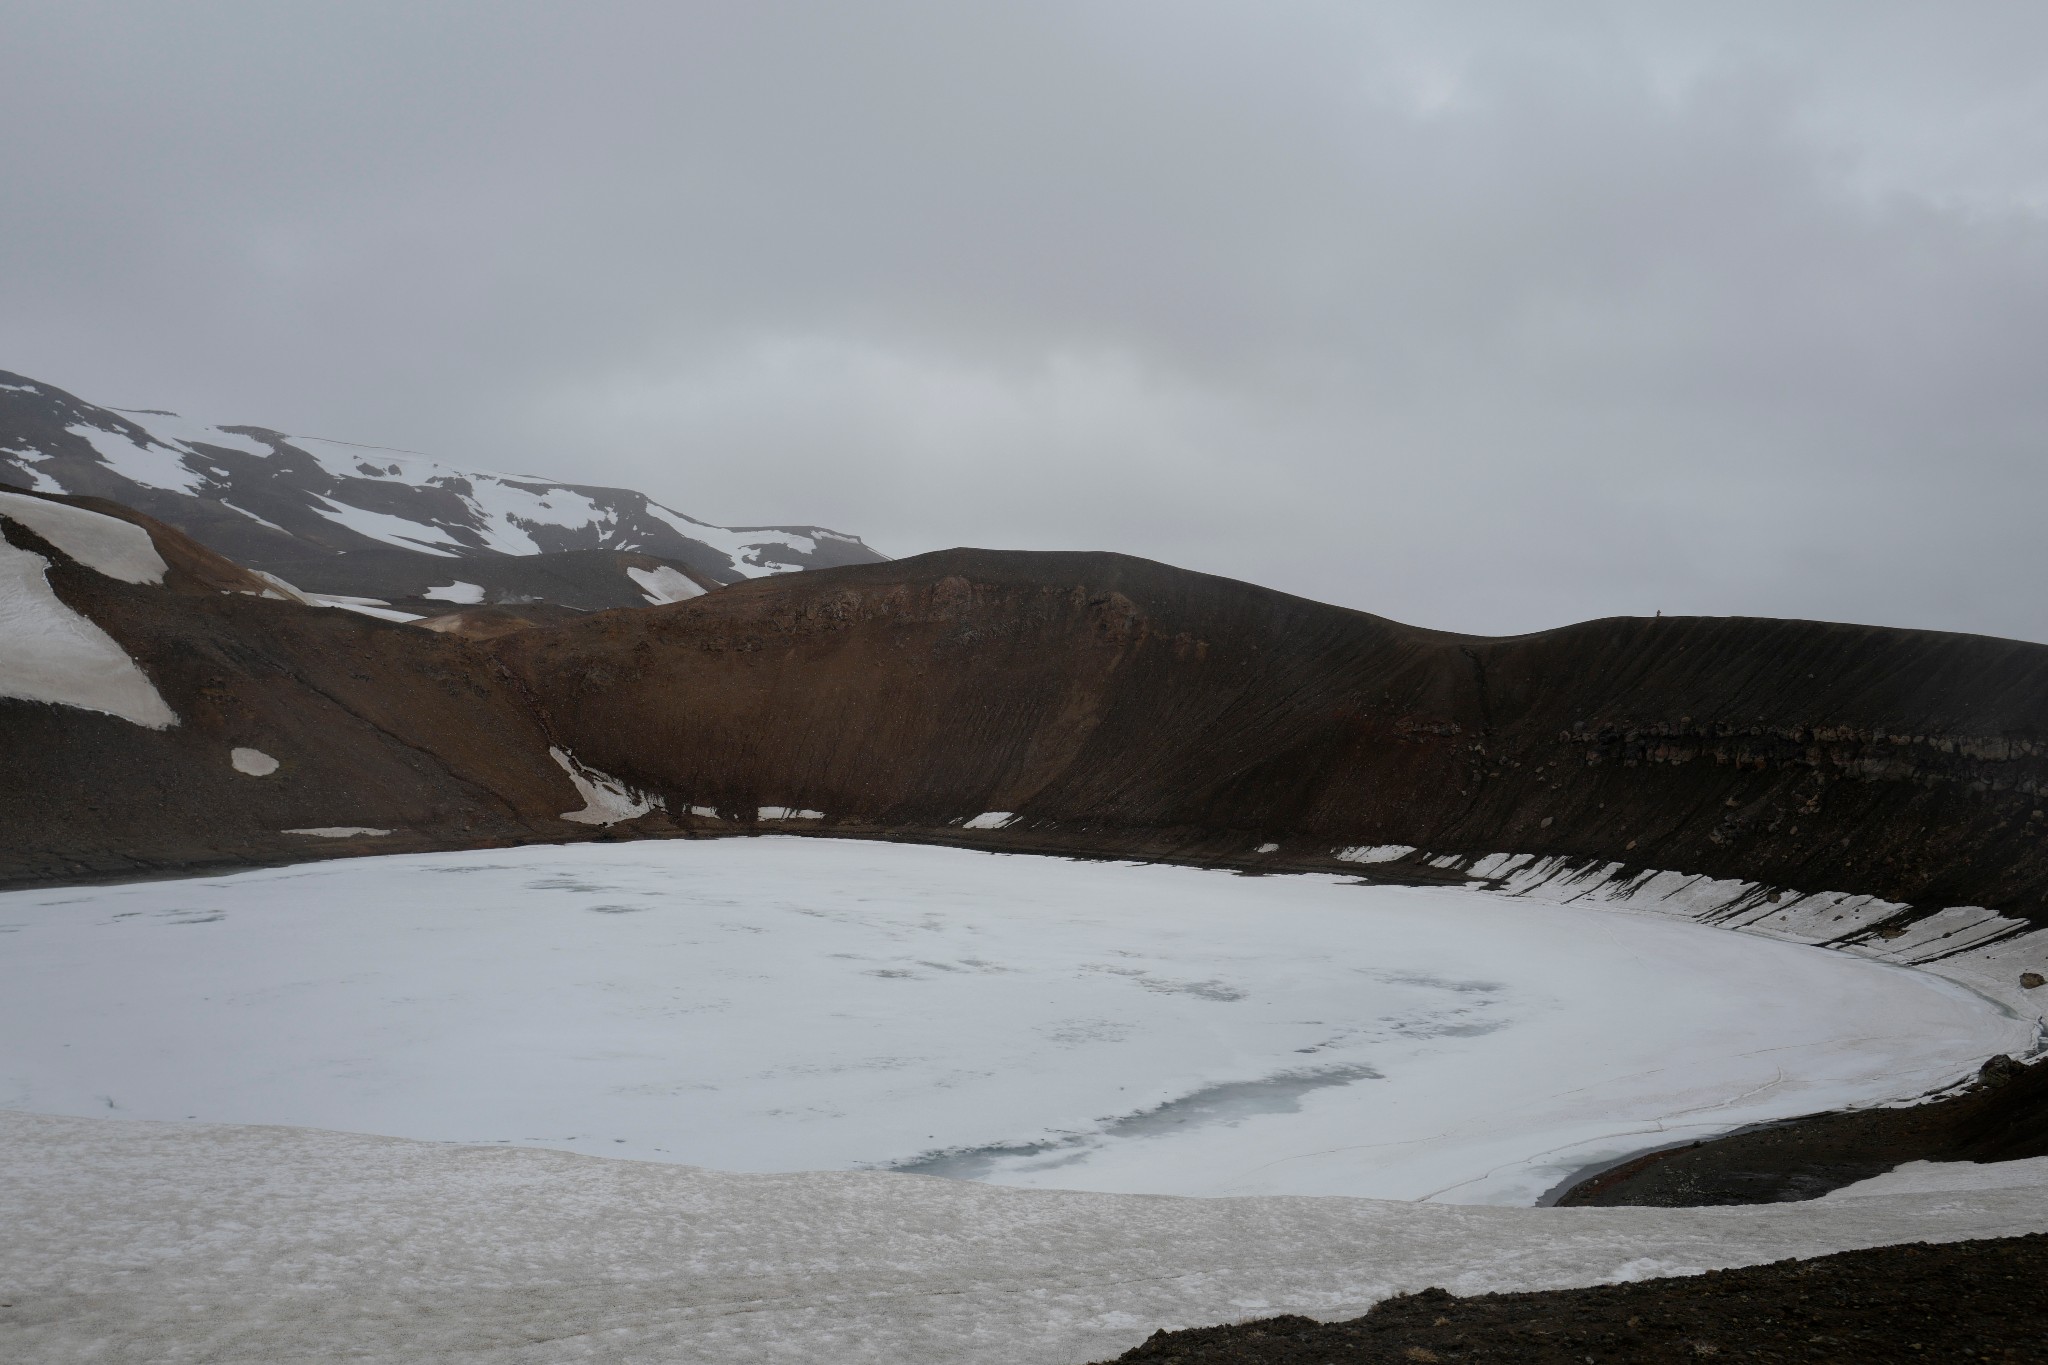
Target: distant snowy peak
{"type": "Point", "coordinates": [276, 501]}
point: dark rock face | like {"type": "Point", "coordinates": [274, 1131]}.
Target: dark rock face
{"type": "Point", "coordinates": [1959, 1301]}
{"type": "Point", "coordinates": [1126, 703]}
{"type": "Point", "coordinates": [364, 521]}
{"type": "Point", "coordinates": [2004, 1117]}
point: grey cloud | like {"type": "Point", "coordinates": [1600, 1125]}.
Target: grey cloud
{"type": "Point", "coordinates": [1457, 314]}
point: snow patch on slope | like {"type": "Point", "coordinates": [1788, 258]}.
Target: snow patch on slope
{"type": "Point", "coordinates": [747, 549]}
{"type": "Point", "coordinates": [664, 585]}
{"type": "Point", "coordinates": [53, 654]}
{"type": "Point", "coordinates": [1969, 945]}
{"type": "Point", "coordinates": [253, 763]}
{"type": "Point", "coordinates": [606, 800]}
{"type": "Point", "coordinates": [1374, 853]}
{"type": "Point", "coordinates": [149, 463]}
{"type": "Point", "coordinates": [405, 534]}
{"type": "Point", "coordinates": [116, 548]}
{"type": "Point", "coordinates": [991, 819]}
{"type": "Point", "coordinates": [38, 481]}
{"type": "Point", "coordinates": [464, 594]}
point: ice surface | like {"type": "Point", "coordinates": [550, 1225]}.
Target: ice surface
{"type": "Point", "coordinates": [662, 585]}
{"type": "Point", "coordinates": [606, 800]}
{"type": "Point", "coordinates": [802, 1003]}
{"type": "Point", "coordinates": [116, 548]}
{"type": "Point", "coordinates": [1969, 945]}
{"type": "Point", "coordinates": [53, 654]}
{"type": "Point", "coordinates": [253, 762]}
{"type": "Point", "coordinates": [464, 594]}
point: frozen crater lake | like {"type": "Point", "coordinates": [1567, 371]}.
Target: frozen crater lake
{"type": "Point", "coordinates": [784, 1004]}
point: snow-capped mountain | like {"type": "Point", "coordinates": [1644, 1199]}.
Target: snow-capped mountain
{"type": "Point", "coordinates": [342, 518]}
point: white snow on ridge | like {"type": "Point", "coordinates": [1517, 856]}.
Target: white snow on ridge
{"type": "Point", "coordinates": [663, 585]}
{"type": "Point", "coordinates": [500, 512]}
{"type": "Point", "coordinates": [170, 429]}
{"type": "Point", "coordinates": [252, 516]}
{"type": "Point", "coordinates": [119, 549]}
{"type": "Point", "coordinates": [38, 481]}
{"type": "Point", "coordinates": [407, 535]}
{"type": "Point", "coordinates": [606, 800]}
{"type": "Point", "coordinates": [504, 503]}
{"type": "Point", "coordinates": [53, 654]}
{"type": "Point", "coordinates": [769, 1004]}
{"type": "Point", "coordinates": [285, 591]}
{"type": "Point", "coordinates": [340, 831]}
{"type": "Point", "coordinates": [152, 465]}
{"type": "Point", "coordinates": [743, 547]}
{"type": "Point", "coordinates": [375, 607]}
{"type": "Point", "coordinates": [787, 813]}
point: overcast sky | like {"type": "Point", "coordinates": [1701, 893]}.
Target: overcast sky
{"type": "Point", "coordinates": [1487, 317]}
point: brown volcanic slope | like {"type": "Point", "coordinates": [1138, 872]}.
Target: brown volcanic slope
{"type": "Point", "coordinates": [1959, 1301]}
{"type": "Point", "coordinates": [1125, 706]}
{"type": "Point", "coordinates": [1119, 706]}
{"type": "Point", "coordinates": [373, 724]}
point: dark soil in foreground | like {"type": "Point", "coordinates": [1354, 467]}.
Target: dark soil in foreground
{"type": "Point", "coordinates": [2003, 1117]}
{"type": "Point", "coordinates": [1957, 1301]}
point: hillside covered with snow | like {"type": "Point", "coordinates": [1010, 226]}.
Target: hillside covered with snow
{"type": "Point", "coordinates": [352, 519]}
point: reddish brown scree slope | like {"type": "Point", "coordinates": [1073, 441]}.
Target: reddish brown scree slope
{"type": "Point", "coordinates": [1145, 708]}
{"type": "Point", "coordinates": [372, 724]}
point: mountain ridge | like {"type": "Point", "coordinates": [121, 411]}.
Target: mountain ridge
{"type": "Point", "coordinates": [355, 520]}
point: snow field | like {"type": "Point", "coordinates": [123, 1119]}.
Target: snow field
{"type": "Point", "coordinates": [54, 654]}
{"type": "Point", "coordinates": [145, 1243]}
{"type": "Point", "coordinates": [116, 548]}
{"type": "Point", "coordinates": [791, 1004]}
